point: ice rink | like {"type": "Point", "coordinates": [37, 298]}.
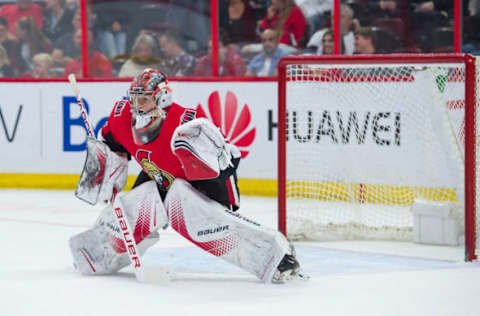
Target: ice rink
{"type": "Point", "coordinates": [37, 277]}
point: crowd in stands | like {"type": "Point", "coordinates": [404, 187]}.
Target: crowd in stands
{"type": "Point", "coordinates": [43, 38]}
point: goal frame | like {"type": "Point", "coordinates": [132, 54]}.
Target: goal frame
{"type": "Point", "coordinates": [470, 132]}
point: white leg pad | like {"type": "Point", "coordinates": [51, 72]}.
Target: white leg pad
{"type": "Point", "coordinates": [101, 249]}
{"type": "Point", "coordinates": [225, 234]}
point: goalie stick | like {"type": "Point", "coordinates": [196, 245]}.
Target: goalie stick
{"type": "Point", "coordinates": [142, 275]}
{"type": "Point", "coordinates": [83, 110]}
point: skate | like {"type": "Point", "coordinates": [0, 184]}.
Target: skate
{"type": "Point", "coordinates": [288, 269]}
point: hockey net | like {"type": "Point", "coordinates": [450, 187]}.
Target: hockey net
{"type": "Point", "coordinates": [362, 137]}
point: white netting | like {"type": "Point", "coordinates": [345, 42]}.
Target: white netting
{"type": "Point", "coordinates": [364, 141]}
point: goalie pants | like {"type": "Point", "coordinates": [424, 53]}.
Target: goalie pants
{"type": "Point", "coordinates": [223, 189]}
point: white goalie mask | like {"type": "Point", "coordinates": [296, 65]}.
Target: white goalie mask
{"type": "Point", "coordinates": [149, 95]}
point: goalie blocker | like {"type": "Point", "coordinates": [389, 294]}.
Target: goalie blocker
{"type": "Point", "coordinates": [103, 172]}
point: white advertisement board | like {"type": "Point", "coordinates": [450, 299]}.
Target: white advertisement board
{"type": "Point", "coordinates": [42, 131]}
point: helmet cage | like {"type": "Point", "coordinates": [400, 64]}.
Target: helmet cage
{"type": "Point", "coordinates": [143, 88]}
{"type": "Point", "coordinates": [141, 99]}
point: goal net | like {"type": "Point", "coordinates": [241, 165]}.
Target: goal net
{"type": "Point", "coordinates": [361, 138]}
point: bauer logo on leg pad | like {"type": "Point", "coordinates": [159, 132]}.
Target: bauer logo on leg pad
{"type": "Point", "coordinates": [212, 230]}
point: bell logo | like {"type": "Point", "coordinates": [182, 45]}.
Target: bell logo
{"type": "Point", "coordinates": [234, 122]}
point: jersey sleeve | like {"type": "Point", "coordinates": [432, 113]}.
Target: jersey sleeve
{"type": "Point", "coordinates": [110, 131]}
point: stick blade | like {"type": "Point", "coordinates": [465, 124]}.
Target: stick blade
{"type": "Point", "coordinates": [154, 275]}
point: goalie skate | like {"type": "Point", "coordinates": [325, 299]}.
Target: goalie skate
{"type": "Point", "coordinates": [289, 268]}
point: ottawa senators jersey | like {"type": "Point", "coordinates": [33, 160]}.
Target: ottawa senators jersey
{"type": "Point", "coordinates": [156, 158]}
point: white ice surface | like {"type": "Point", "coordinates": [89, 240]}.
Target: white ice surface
{"type": "Point", "coordinates": [347, 278]}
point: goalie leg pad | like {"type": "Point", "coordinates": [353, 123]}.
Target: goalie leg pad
{"type": "Point", "coordinates": [94, 253]}
{"type": "Point", "coordinates": [223, 233]}
{"type": "Point", "coordinates": [101, 250]}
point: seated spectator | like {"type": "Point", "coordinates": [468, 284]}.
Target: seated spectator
{"type": "Point", "coordinates": [347, 26]}
{"type": "Point", "coordinates": [23, 8]}
{"type": "Point", "coordinates": [428, 16]}
{"type": "Point", "coordinates": [328, 44]}
{"type": "Point", "coordinates": [444, 6]}
{"type": "Point", "coordinates": [471, 25]}
{"type": "Point", "coordinates": [364, 41]}
{"type": "Point", "coordinates": [58, 19]}
{"type": "Point", "coordinates": [315, 12]}
{"type": "Point", "coordinates": [229, 62]}
{"type": "Point", "coordinates": [143, 56]}
{"type": "Point", "coordinates": [388, 8]}
{"type": "Point", "coordinates": [474, 7]}
{"type": "Point", "coordinates": [98, 64]}
{"type": "Point", "coordinates": [5, 69]}
{"type": "Point", "coordinates": [259, 7]}
{"type": "Point", "coordinates": [189, 18]}
{"type": "Point", "coordinates": [237, 19]}
{"type": "Point", "coordinates": [10, 44]}
{"type": "Point", "coordinates": [31, 41]}
{"type": "Point", "coordinates": [265, 64]}
{"type": "Point", "coordinates": [287, 19]}
{"type": "Point", "coordinates": [177, 62]}
{"type": "Point", "coordinates": [42, 65]}
{"type": "Point", "coordinates": [113, 26]}
{"type": "Point", "coordinates": [64, 52]}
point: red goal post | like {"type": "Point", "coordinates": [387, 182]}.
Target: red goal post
{"type": "Point", "coordinates": [399, 101]}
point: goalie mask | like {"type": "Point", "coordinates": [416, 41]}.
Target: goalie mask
{"type": "Point", "coordinates": [149, 95]}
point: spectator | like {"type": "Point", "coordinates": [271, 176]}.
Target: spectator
{"type": "Point", "coordinates": [5, 68]}
{"type": "Point", "coordinates": [112, 23]}
{"type": "Point", "coordinates": [230, 63]}
{"type": "Point", "coordinates": [259, 8]}
{"type": "Point", "coordinates": [177, 62]}
{"type": "Point", "coordinates": [347, 26]}
{"type": "Point", "coordinates": [328, 44]}
{"type": "Point", "coordinates": [237, 18]}
{"type": "Point", "coordinates": [265, 64]}
{"type": "Point", "coordinates": [315, 12]}
{"type": "Point", "coordinates": [190, 18]}
{"type": "Point", "coordinates": [10, 44]}
{"type": "Point", "coordinates": [23, 8]}
{"type": "Point", "coordinates": [473, 7]}
{"type": "Point", "coordinates": [31, 42]}
{"type": "Point", "coordinates": [287, 19]}
{"type": "Point", "coordinates": [98, 64]}
{"type": "Point", "coordinates": [364, 41]}
{"type": "Point", "coordinates": [445, 6]}
{"type": "Point", "coordinates": [42, 64]}
{"type": "Point", "coordinates": [389, 9]}
{"type": "Point", "coordinates": [64, 52]}
{"type": "Point", "coordinates": [143, 56]}
{"type": "Point", "coordinates": [428, 16]}
{"type": "Point", "coordinates": [58, 19]}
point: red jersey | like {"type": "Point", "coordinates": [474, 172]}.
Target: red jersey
{"type": "Point", "coordinates": [295, 26]}
{"type": "Point", "coordinates": [156, 158]}
{"type": "Point", "coordinates": [98, 66]}
{"type": "Point", "coordinates": [12, 14]}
